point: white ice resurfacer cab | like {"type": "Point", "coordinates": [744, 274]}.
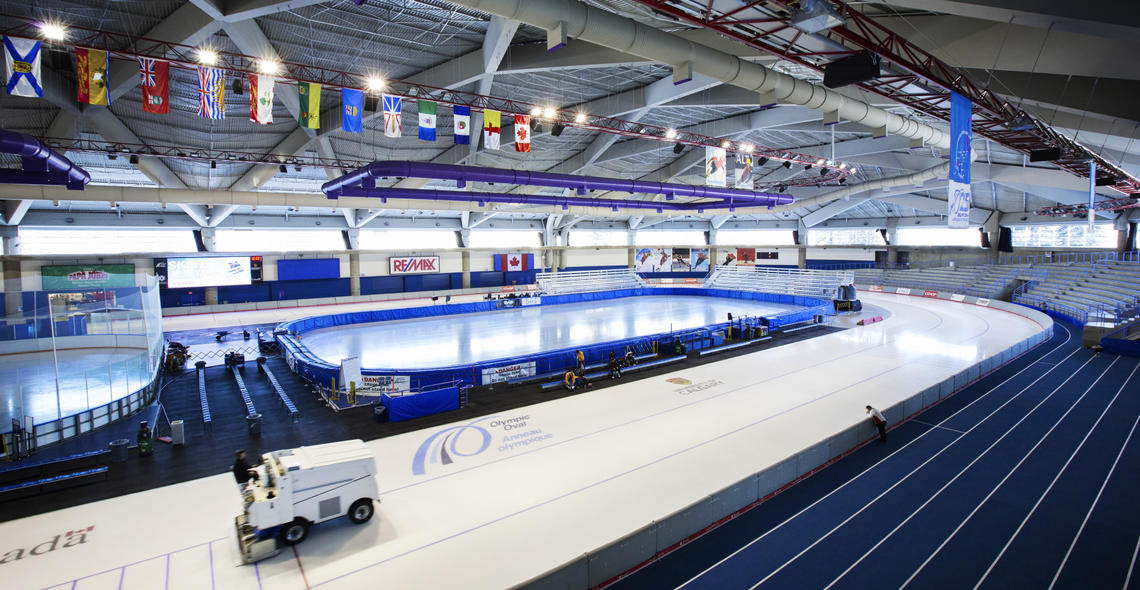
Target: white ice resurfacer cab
{"type": "Point", "coordinates": [297, 488]}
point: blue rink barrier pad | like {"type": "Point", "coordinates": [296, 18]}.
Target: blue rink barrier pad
{"type": "Point", "coordinates": [315, 369]}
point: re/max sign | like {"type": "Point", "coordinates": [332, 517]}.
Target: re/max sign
{"type": "Point", "coordinates": [408, 265]}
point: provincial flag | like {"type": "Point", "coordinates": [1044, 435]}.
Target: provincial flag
{"type": "Point", "coordinates": [391, 116]}
{"type": "Point", "coordinates": [154, 77]}
{"type": "Point", "coordinates": [492, 127]}
{"type": "Point", "coordinates": [352, 103]}
{"type": "Point", "coordinates": [91, 67]}
{"type": "Point", "coordinates": [22, 56]}
{"type": "Point", "coordinates": [462, 125]}
{"type": "Point", "coordinates": [513, 261]}
{"type": "Point", "coordinates": [310, 97]}
{"type": "Point", "coordinates": [427, 120]}
{"type": "Point", "coordinates": [261, 99]}
{"type": "Point", "coordinates": [211, 92]}
{"type": "Point", "coordinates": [522, 133]}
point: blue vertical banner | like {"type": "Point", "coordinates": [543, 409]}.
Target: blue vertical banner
{"type": "Point", "coordinates": [960, 140]}
{"type": "Point", "coordinates": [352, 102]}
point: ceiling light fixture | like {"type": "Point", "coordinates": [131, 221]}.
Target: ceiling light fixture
{"type": "Point", "coordinates": [207, 57]}
{"type": "Point", "coordinates": [268, 66]}
{"type": "Point", "coordinates": [53, 31]}
{"type": "Point", "coordinates": [580, 118]}
{"type": "Point", "coordinates": [375, 83]}
{"type": "Point", "coordinates": [670, 133]}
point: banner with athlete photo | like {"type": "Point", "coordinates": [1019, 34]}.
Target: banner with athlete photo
{"type": "Point", "coordinates": [680, 260]}
{"type": "Point", "coordinates": [699, 260]}
{"type": "Point", "coordinates": [716, 168]}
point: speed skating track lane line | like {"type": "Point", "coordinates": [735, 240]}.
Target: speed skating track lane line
{"type": "Point", "coordinates": [924, 463]}
{"type": "Point", "coordinates": [1059, 346]}
{"type": "Point", "coordinates": [1100, 492]}
{"type": "Point", "coordinates": [359, 569]}
{"type": "Point", "coordinates": [936, 325]}
{"type": "Point", "coordinates": [967, 468]}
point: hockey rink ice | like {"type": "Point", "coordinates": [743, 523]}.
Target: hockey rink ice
{"type": "Point", "coordinates": [425, 343]}
{"type": "Point", "coordinates": [535, 487]}
{"type": "Point", "coordinates": [94, 377]}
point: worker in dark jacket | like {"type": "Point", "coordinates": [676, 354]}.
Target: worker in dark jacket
{"type": "Point", "coordinates": [242, 469]}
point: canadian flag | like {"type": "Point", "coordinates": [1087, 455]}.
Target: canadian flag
{"type": "Point", "coordinates": [514, 261]}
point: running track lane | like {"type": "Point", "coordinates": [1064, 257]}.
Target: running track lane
{"type": "Point", "coordinates": [1018, 389]}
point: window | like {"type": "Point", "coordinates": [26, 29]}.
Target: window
{"type": "Point", "coordinates": [845, 237]}
{"type": "Point", "coordinates": [691, 237]}
{"type": "Point", "coordinates": [755, 237]}
{"type": "Point", "coordinates": [939, 236]}
{"type": "Point", "coordinates": [278, 240]}
{"type": "Point", "coordinates": [407, 239]}
{"type": "Point", "coordinates": [502, 238]}
{"type": "Point", "coordinates": [1064, 235]}
{"type": "Point", "coordinates": [588, 237]}
{"type": "Point", "coordinates": [41, 242]}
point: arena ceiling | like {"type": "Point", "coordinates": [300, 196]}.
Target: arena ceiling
{"type": "Point", "coordinates": [1074, 71]}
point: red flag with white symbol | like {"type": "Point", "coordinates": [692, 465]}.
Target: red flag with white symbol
{"type": "Point", "coordinates": [522, 134]}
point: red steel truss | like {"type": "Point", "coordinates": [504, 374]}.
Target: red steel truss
{"type": "Point", "coordinates": [128, 48]}
{"type": "Point", "coordinates": [992, 119]}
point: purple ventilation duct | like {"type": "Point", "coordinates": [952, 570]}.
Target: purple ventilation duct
{"type": "Point", "coordinates": [40, 164]}
{"type": "Point", "coordinates": [362, 183]}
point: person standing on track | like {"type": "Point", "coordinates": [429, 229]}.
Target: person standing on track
{"type": "Point", "coordinates": [581, 357]}
{"type": "Point", "coordinates": [879, 421]}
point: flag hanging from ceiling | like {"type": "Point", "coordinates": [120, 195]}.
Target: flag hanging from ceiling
{"type": "Point", "coordinates": [462, 125]}
{"type": "Point", "coordinates": [427, 120]}
{"type": "Point", "coordinates": [310, 96]}
{"type": "Point", "coordinates": [959, 178]}
{"type": "Point", "coordinates": [352, 102]}
{"type": "Point", "coordinates": [715, 174]}
{"type": "Point", "coordinates": [391, 116]}
{"type": "Point", "coordinates": [91, 67]}
{"type": "Point", "coordinates": [154, 77]}
{"type": "Point", "coordinates": [743, 171]}
{"type": "Point", "coordinates": [211, 92]}
{"type": "Point", "coordinates": [22, 56]}
{"type": "Point", "coordinates": [261, 99]}
{"type": "Point", "coordinates": [522, 133]}
{"type": "Point", "coordinates": [492, 127]}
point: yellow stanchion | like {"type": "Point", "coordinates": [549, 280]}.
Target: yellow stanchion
{"type": "Point", "coordinates": [335, 392]}
{"type": "Point", "coordinates": [352, 393]}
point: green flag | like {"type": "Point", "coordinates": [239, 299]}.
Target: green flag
{"type": "Point", "coordinates": [310, 95]}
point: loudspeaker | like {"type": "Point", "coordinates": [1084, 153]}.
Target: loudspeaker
{"type": "Point", "coordinates": [1045, 155]}
{"type": "Point", "coordinates": [985, 239]}
{"type": "Point", "coordinates": [371, 104]}
{"type": "Point", "coordinates": [239, 87]}
{"type": "Point", "coordinates": [557, 129]}
{"type": "Point", "coordinates": [678, 148]}
{"type": "Point", "coordinates": [198, 243]}
{"type": "Point", "coordinates": [1005, 239]}
{"type": "Point", "coordinates": [886, 240]}
{"type": "Point", "coordinates": [1105, 180]}
{"type": "Point", "coordinates": [1130, 243]}
{"type": "Point", "coordinates": [851, 70]}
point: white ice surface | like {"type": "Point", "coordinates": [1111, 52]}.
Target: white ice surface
{"type": "Point", "coordinates": [615, 460]}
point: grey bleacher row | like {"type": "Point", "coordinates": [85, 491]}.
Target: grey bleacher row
{"type": "Point", "coordinates": [980, 281]}
{"type": "Point", "coordinates": [810, 283]}
{"type": "Point", "coordinates": [583, 281]}
{"type": "Point", "coordinates": [1105, 290]}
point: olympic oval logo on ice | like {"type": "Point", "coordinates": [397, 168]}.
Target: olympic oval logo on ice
{"type": "Point", "coordinates": [443, 447]}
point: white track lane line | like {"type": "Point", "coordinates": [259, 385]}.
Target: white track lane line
{"type": "Point", "coordinates": [1132, 566]}
{"type": "Point", "coordinates": [1068, 336]}
{"type": "Point", "coordinates": [916, 469]}
{"type": "Point", "coordinates": [1097, 499]}
{"type": "Point", "coordinates": [1061, 472]}
{"type": "Point", "coordinates": [946, 541]}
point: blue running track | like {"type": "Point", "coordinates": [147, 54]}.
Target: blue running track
{"type": "Point", "coordinates": [1024, 480]}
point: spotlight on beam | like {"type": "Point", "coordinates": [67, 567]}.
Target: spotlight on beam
{"type": "Point", "coordinates": [761, 161]}
{"type": "Point", "coordinates": [787, 164]}
{"type": "Point", "coordinates": [823, 171]}
{"type": "Point", "coordinates": [807, 166]}
{"type": "Point", "coordinates": [557, 129]}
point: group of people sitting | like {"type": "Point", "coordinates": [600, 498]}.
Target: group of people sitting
{"type": "Point", "coordinates": [492, 296]}
{"type": "Point", "coordinates": [576, 377]}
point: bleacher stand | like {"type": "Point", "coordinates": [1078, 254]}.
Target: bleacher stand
{"type": "Point", "coordinates": [585, 281]}
{"type": "Point", "coordinates": [786, 281]}
{"type": "Point", "coordinates": [288, 403]}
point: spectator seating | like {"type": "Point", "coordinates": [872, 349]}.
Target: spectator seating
{"type": "Point", "coordinates": [811, 283]}
{"type": "Point", "coordinates": [558, 283]}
